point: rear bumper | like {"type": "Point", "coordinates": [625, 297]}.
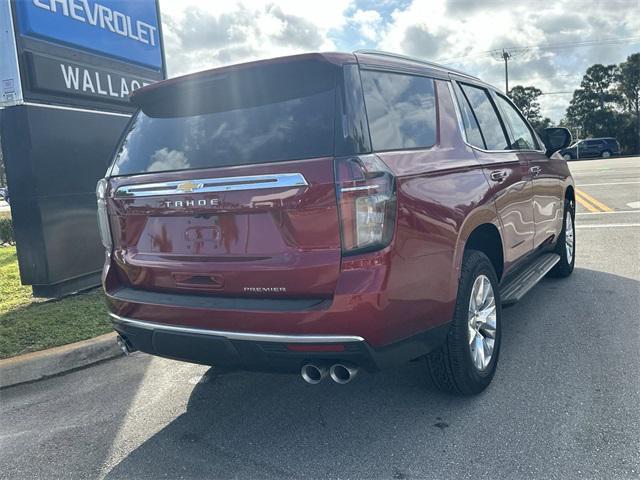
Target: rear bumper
{"type": "Point", "coordinates": [269, 352]}
{"type": "Point", "coordinates": [379, 316]}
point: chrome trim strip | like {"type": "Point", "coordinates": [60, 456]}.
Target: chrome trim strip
{"type": "Point", "coordinates": [254, 337]}
{"type": "Point", "coordinates": [76, 109]}
{"type": "Point", "coordinates": [210, 185]}
{"type": "Point", "coordinates": [357, 189]}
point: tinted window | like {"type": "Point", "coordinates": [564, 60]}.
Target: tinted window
{"type": "Point", "coordinates": [487, 118]}
{"type": "Point", "coordinates": [522, 138]}
{"type": "Point", "coordinates": [277, 113]}
{"type": "Point", "coordinates": [471, 128]}
{"type": "Point", "coordinates": [401, 110]}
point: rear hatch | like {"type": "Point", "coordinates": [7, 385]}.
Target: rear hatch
{"type": "Point", "coordinates": [224, 184]}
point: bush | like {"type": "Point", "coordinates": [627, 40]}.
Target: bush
{"type": "Point", "coordinates": [6, 231]}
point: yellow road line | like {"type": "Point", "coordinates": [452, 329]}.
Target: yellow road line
{"type": "Point", "coordinates": [593, 201]}
{"type": "Point", "coordinates": [586, 204]}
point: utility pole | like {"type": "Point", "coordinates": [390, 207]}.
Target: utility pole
{"type": "Point", "coordinates": [506, 56]}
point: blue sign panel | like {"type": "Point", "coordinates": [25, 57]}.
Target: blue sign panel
{"type": "Point", "coordinates": [123, 29]}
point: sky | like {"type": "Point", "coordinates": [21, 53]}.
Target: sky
{"type": "Point", "coordinates": [200, 34]}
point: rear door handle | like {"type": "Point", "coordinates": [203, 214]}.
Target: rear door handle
{"type": "Point", "coordinates": [498, 175]}
{"type": "Point", "coordinates": [535, 170]}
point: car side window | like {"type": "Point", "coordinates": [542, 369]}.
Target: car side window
{"type": "Point", "coordinates": [487, 117]}
{"type": "Point", "coordinates": [401, 110]}
{"type": "Point", "coordinates": [522, 138]}
{"type": "Point", "coordinates": [469, 122]}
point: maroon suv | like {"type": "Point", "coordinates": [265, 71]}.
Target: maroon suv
{"type": "Point", "coordinates": [323, 213]}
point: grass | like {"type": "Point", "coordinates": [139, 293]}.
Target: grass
{"type": "Point", "coordinates": [27, 325]}
{"type": "Point", "coordinates": [5, 214]}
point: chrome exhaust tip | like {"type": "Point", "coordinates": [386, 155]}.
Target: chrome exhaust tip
{"type": "Point", "coordinates": [313, 373]}
{"type": "Point", "coordinates": [124, 345]}
{"type": "Point", "coordinates": [343, 373]}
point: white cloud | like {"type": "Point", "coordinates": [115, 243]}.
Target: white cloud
{"type": "Point", "coordinates": [368, 22]}
{"type": "Point", "coordinates": [200, 35]}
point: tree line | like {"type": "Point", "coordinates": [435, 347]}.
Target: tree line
{"type": "Point", "coordinates": [607, 104]}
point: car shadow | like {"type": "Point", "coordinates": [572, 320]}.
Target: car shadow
{"type": "Point", "coordinates": [393, 424]}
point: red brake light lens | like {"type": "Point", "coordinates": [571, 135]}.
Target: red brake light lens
{"type": "Point", "coordinates": [367, 203]}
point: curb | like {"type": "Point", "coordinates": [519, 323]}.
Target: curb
{"type": "Point", "coordinates": [54, 361]}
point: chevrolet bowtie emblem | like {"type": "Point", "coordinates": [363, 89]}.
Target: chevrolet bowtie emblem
{"type": "Point", "coordinates": [189, 186]}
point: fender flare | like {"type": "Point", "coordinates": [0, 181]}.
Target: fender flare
{"type": "Point", "coordinates": [483, 215]}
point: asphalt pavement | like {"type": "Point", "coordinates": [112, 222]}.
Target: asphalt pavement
{"type": "Point", "coordinates": [565, 401]}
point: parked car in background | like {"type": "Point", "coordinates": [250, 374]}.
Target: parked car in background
{"type": "Point", "coordinates": [604, 147]}
{"type": "Point", "coordinates": [4, 194]}
{"type": "Point", "coordinates": [324, 213]}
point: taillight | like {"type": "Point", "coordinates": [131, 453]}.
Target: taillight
{"type": "Point", "coordinates": [367, 203]}
{"type": "Point", "coordinates": [103, 216]}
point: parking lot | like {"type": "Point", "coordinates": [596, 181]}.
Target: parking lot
{"type": "Point", "coordinates": [565, 402]}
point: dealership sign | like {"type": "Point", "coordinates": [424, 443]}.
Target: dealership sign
{"type": "Point", "coordinates": [85, 53]}
{"type": "Point", "coordinates": [67, 69]}
{"type": "Point", "coordinates": [70, 78]}
{"type": "Point", "coordinates": [127, 30]}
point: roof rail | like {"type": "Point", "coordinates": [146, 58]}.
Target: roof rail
{"type": "Point", "coordinates": [414, 59]}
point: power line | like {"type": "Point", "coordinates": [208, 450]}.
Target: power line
{"type": "Point", "coordinates": [584, 43]}
{"type": "Point", "coordinates": [507, 54]}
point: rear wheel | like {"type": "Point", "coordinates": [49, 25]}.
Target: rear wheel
{"type": "Point", "coordinates": [466, 361]}
{"type": "Point", "coordinates": [566, 246]}
{"type": "Point", "coordinates": [606, 154]}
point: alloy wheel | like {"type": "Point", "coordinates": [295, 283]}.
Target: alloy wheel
{"type": "Point", "coordinates": [482, 322]}
{"type": "Point", "coordinates": [569, 237]}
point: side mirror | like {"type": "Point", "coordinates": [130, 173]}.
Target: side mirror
{"type": "Point", "coordinates": [555, 139]}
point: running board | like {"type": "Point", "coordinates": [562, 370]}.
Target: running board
{"type": "Point", "coordinates": [518, 286]}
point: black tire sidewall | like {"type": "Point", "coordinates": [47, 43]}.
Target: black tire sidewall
{"type": "Point", "coordinates": [474, 380]}
{"type": "Point", "coordinates": [564, 268]}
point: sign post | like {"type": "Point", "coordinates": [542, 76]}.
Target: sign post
{"type": "Point", "coordinates": [67, 68]}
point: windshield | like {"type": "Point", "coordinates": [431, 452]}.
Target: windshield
{"type": "Point", "coordinates": [274, 114]}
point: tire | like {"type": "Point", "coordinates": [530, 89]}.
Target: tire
{"type": "Point", "coordinates": [567, 157]}
{"type": "Point", "coordinates": [564, 267]}
{"type": "Point", "coordinates": [606, 154]}
{"type": "Point", "coordinates": [453, 367]}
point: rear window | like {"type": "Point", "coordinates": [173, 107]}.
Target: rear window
{"type": "Point", "coordinates": [255, 115]}
{"type": "Point", "coordinates": [401, 110]}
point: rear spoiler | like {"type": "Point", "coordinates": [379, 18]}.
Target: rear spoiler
{"type": "Point", "coordinates": [186, 84]}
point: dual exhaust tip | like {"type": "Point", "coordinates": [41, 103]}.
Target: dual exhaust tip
{"type": "Point", "coordinates": [312, 373]}
{"type": "Point", "coordinates": [341, 373]}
